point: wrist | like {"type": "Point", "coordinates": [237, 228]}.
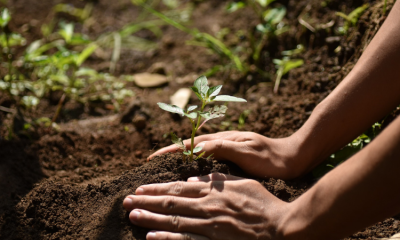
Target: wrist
{"type": "Point", "coordinates": [294, 154]}
{"type": "Point", "coordinates": [292, 225]}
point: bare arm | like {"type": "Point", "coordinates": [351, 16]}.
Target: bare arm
{"type": "Point", "coordinates": [358, 193]}
{"type": "Point", "coordinates": [368, 93]}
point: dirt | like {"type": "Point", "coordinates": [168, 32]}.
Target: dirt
{"type": "Point", "coordinates": [69, 183]}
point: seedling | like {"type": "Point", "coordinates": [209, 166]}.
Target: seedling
{"type": "Point", "coordinates": [286, 64]}
{"type": "Point", "coordinates": [347, 151]}
{"type": "Point", "coordinates": [352, 18]}
{"type": "Point", "coordinates": [206, 95]}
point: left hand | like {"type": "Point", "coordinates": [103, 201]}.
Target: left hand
{"type": "Point", "coordinates": [216, 206]}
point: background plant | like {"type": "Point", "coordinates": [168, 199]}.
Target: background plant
{"type": "Point", "coordinates": [286, 64]}
{"type": "Point", "coordinates": [206, 95]}
{"type": "Point", "coordinates": [347, 151]}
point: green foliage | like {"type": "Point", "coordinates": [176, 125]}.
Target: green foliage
{"type": "Point", "coordinates": [352, 18]}
{"type": "Point", "coordinates": [81, 13]}
{"type": "Point", "coordinates": [55, 63]}
{"type": "Point", "coordinates": [347, 151]}
{"type": "Point", "coordinates": [234, 6]}
{"type": "Point", "coordinates": [286, 64]}
{"type": "Point", "coordinates": [206, 95]}
{"type": "Point", "coordinates": [5, 18]}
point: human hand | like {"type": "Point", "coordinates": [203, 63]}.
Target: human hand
{"type": "Point", "coordinates": [255, 154]}
{"type": "Point", "coordinates": [216, 206]}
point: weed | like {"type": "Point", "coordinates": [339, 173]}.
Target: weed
{"type": "Point", "coordinates": [205, 39]}
{"type": "Point", "coordinates": [347, 151]}
{"type": "Point", "coordinates": [206, 95]}
{"type": "Point", "coordinates": [286, 64]}
{"type": "Point", "coordinates": [352, 18]}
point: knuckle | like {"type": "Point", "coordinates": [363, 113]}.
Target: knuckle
{"type": "Point", "coordinates": [186, 236]}
{"type": "Point", "coordinates": [175, 223]}
{"type": "Point", "coordinates": [177, 188]}
{"type": "Point", "coordinates": [219, 144]}
{"type": "Point", "coordinates": [169, 203]}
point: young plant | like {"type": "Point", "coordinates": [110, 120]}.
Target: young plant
{"type": "Point", "coordinates": [352, 18]}
{"type": "Point", "coordinates": [206, 95]}
{"type": "Point", "coordinates": [286, 64]}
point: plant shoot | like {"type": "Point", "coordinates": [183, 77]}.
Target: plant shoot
{"type": "Point", "coordinates": [206, 95]}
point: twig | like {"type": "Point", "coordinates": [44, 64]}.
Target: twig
{"type": "Point", "coordinates": [59, 105]}
{"type": "Point", "coordinates": [9, 110]}
{"type": "Point", "coordinates": [307, 25]}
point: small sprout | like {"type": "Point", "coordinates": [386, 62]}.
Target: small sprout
{"type": "Point", "coordinates": [5, 17]}
{"type": "Point", "coordinates": [352, 18]}
{"type": "Point", "coordinates": [206, 95]}
{"type": "Point", "coordinates": [284, 66]}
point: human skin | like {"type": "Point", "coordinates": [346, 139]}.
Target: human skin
{"type": "Point", "coordinates": [354, 195]}
{"type": "Point", "coordinates": [366, 95]}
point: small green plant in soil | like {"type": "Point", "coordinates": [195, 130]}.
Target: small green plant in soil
{"type": "Point", "coordinates": [286, 64]}
{"type": "Point", "coordinates": [347, 151]}
{"type": "Point", "coordinates": [206, 95]}
{"type": "Point", "coordinates": [352, 18]}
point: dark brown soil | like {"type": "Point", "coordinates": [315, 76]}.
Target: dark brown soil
{"type": "Point", "coordinates": [70, 183]}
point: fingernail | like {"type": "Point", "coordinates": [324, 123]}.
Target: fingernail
{"type": "Point", "coordinates": [128, 203]}
{"type": "Point", "coordinates": [201, 144]}
{"type": "Point", "coordinates": [151, 235]}
{"type": "Point", "coordinates": [193, 179]}
{"type": "Point", "coordinates": [134, 215]}
{"type": "Point", "coordinates": [139, 191]}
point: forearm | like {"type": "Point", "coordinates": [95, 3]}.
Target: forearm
{"type": "Point", "coordinates": [359, 192]}
{"type": "Point", "coordinates": [365, 96]}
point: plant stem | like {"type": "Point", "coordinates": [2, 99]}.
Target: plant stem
{"type": "Point", "coordinates": [59, 106]}
{"type": "Point", "coordinates": [278, 78]}
{"type": "Point", "coordinates": [9, 59]}
{"type": "Point", "coordinates": [384, 7]}
{"type": "Point", "coordinates": [194, 129]}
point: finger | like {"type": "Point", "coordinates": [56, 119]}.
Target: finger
{"type": "Point", "coordinates": [171, 148]}
{"type": "Point", "coordinates": [180, 189]}
{"type": "Point", "coordinates": [159, 235]}
{"type": "Point", "coordinates": [168, 223]}
{"type": "Point", "coordinates": [231, 135]}
{"type": "Point", "coordinates": [214, 177]}
{"type": "Point", "coordinates": [223, 149]}
{"type": "Point", "coordinates": [166, 205]}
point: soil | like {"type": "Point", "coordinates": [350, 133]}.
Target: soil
{"type": "Point", "coordinates": [69, 182]}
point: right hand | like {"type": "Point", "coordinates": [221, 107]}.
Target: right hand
{"type": "Point", "coordinates": [255, 154]}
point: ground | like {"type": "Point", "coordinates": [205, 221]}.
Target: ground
{"type": "Point", "coordinates": [69, 182]}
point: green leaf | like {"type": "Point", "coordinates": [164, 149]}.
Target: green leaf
{"type": "Point", "coordinates": [178, 141]}
{"type": "Point", "coordinates": [191, 108]}
{"type": "Point", "coordinates": [171, 108]}
{"type": "Point", "coordinates": [66, 31]}
{"type": "Point", "coordinates": [289, 65]}
{"type": "Point", "coordinates": [192, 115]}
{"type": "Point", "coordinates": [214, 91]}
{"type": "Point", "coordinates": [30, 101]}
{"type": "Point", "coordinates": [5, 17]}
{"type": "Point", "coordinates": [354, 15]}
{"type": "Point", "coordinates": [85, 54]}
{"type": "Point", "coordinates": [187, 153]}
{"type": "Point", "coordinates": [196, 91]}
{"type": "Point", "coordinates": [274, 15]}
{"type": "Point", "coordinates": [226, 98]}
{"type": "Point", "coordinates": [197, 149]}
{"type": "Point", "coordinates": [200, 155]}
{"type": "Point", "coordinates": [264, 3]}
{"type": "Point", "coordinates": [234, 6]}
{"type": "Point", "coordinates": [216, 112]}
{"type": "Point", "coordinates": [201, 84]}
